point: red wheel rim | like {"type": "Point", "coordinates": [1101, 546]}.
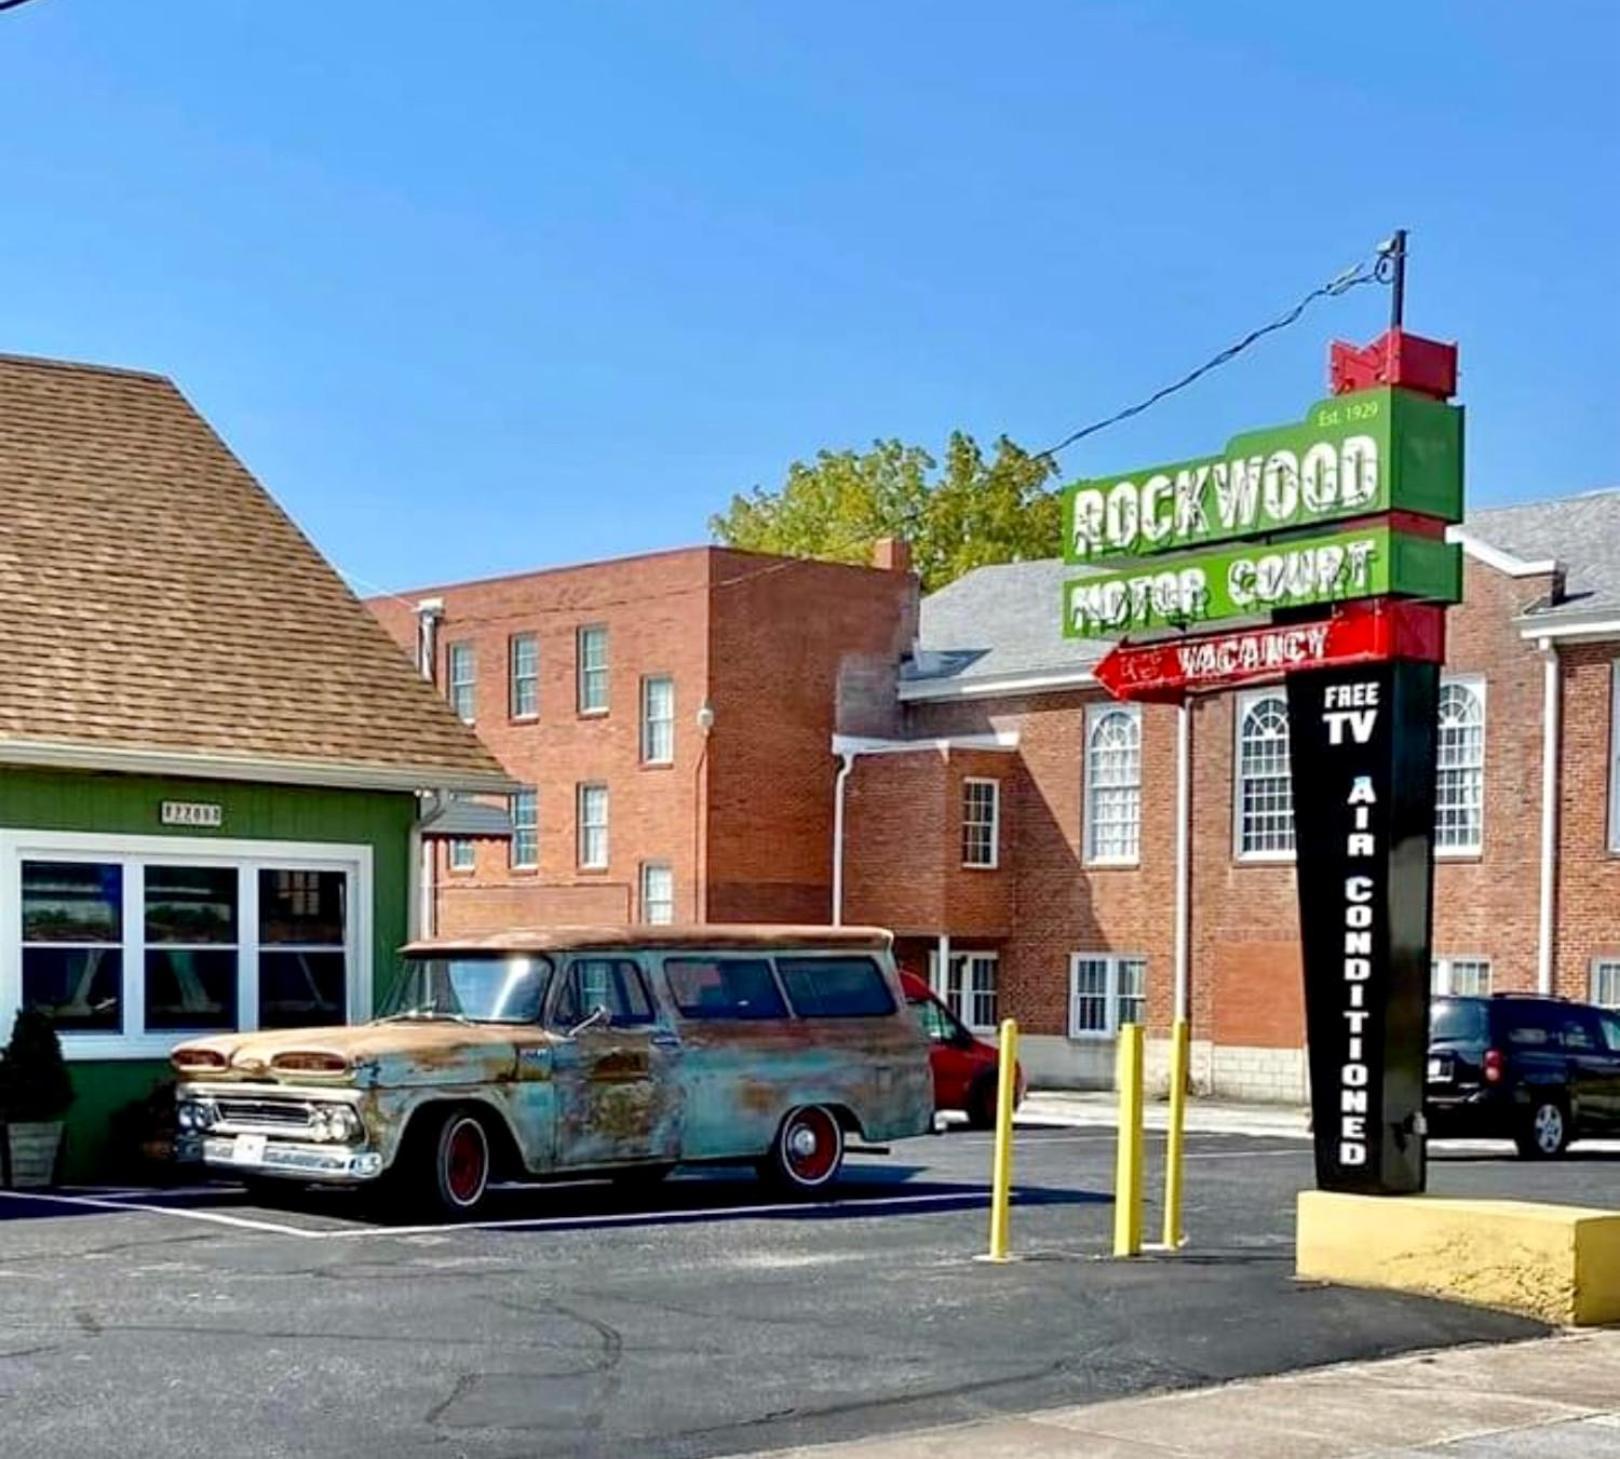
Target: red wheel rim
{"type": "Point", "coordinates": [465, 1162]}
{"type": "Point", "coordinates": [810, 1145]}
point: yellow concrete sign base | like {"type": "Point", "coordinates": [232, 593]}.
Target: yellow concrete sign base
{"type": "Point", "coordinates": [1558, 1263]}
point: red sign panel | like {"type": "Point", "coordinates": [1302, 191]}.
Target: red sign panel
{"type": "Point", "coordinates": [1372, 631]}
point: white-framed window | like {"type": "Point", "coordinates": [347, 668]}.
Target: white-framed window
{"type": "Point", "coordinates": [981, 822]}
{"type": "Point", "coordinates": [1262, 786]}
{"type": "Point", "coordinates": [1462, 977]}
{"type": "Point", "coordinates": [591, 654]}
{"type": "Point", "coordinates": [1459, 806]}
{"type": "Point", "coordinates": [463, 679]}
{"type": "Point", "coordinates": [523, 666]}
{"type": "Point", "coordinates": [1106, 990]}
{"type": "Point", "coordinates": [1113, 775]}
{"type": "Point", "coordinates": [967, 987]}
{"type": "Point", "coordinates": [657, 893]}
{"type": "Point", "coordinates": [657, 720]}
{"type": "Point", "coordinates": [1606, 981]}
{"type": "Point", "coordinates": [524, 807]}
{"type": "Point", "coordinates": [463, 854]}
{"type": "Point", "coordinates": [133, 943]}
{"type": "Point", "coordinates": [593, 826]}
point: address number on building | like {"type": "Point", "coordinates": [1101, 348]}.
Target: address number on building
{"type": "Point", "coordinates": [192, 813]}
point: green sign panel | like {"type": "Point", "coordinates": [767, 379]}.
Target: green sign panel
{"type": "Point", "coordinates": [1252, 580]}
{"type": "Point", "coordinates": [1354, 456]}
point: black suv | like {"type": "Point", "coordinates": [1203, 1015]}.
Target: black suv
{"type": "Point", "coordinates": [1539, 1071]}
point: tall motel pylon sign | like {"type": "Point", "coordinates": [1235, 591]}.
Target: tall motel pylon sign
{"type": "Point", "coordinates": [1329, 536]}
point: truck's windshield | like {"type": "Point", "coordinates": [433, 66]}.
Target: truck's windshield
{"type": "Point", "coordinates": [472, 989]}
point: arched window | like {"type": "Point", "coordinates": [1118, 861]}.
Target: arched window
{"type": "Point", "coordinates": [1459, 806]}
{"type": "Point", "coordinates": [1113, 771]}
{"type": "Point", "coordinates": [1264, 800]}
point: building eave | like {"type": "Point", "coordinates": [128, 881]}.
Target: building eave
{"type": "Point", "coordinates": [1587, 628]}
{"type": "Point", "coordinates": [1504, 562]}
{"type": "Point", "coordinates": [996, 686]}
{"type": "Point", "coordinates": [216, 765]}
{"type": "Point", "coordinates": [941, 744]}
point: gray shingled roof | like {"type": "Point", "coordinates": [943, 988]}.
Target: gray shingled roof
{"type": "Point", "coordinates": [1006, 620]}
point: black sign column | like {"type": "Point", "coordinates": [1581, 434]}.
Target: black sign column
{"type": "Point", "coordinates": [1362, 744]}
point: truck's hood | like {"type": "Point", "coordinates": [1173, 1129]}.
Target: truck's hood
{"type": "Point", "coordinates": [388, 1054]}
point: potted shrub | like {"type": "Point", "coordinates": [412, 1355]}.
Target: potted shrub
{"type": "Point", "coordinates": [35, 1092]}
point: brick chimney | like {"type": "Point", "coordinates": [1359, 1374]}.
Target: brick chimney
{"type": "Point", "coordinates": [891, 554]}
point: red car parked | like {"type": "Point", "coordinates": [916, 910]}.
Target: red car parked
{"type": "Point", "coordinates": [964, 1066]}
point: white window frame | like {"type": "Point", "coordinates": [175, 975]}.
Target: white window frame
{"type": "Point", "coordinates": [134, 854]}
{"type": "Point", "coordinates": [456, 685]}
{"type": "Point", "coordinates": [649, 725]}
{"type": "Point", "coordinates": [1441, 970]}
{"type": "Point", "coordinates": [518, 680]}
{"type": "Point", "coordinates": [1475, 683]}
{"type": "Point", "coordinates": [512, 857]}
{"type": "Point", "coordinates": [584, 672]}
{"type": "Point", "coordinates": [648, 902]}
{"type": "Point", "coordinates": [1096, 715]}
{"type": "Point", "coordinates": [1603, 968]}
{"type": "Point", "coordinates": [1113, 964]}
{"type": "Point", "coordinates": [963, 1001]}
{"type": "Point", "coordinates": [1244, 703]}
{"type": "Point", "coordinates": [582, 855]}
{"type": "Point", "coordinates": [461, 855]}
{"type": "Point", "coordinates": [995, 823]}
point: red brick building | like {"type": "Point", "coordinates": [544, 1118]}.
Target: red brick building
{"type": "Point", "coordinates": [1020, 831]}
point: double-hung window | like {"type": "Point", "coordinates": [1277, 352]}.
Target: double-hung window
{"type": "Point", "coordinates": [1113, 773]}
{"type": "Point", "coordinates": [1106, 991]}
{"type": "Point", "coordinates": [591, 655]}
{"type": "Point", "coordinates": [1263, 788]}
{"type": "Point", "coordinates": [967, 986]}
{"type": "Point", "coordinates": [525, 811]}
{"type": "Point", "coordinates": [981, 822]}
{"type": "Point", "coordinates": [463, 677]}
{"type": "Point", "coordinates": [523, 664]}
{"type": "Point", "coordinates": [1459, 807]}
{"type": "Point", "coordinates": [1606, 981]}
{"type": "Point", "coordinates": [463, 854]}
{"type": "Point", "coordinates": [593, 826]}
{"type": "Point", "coordinates": [130, 943]}
{"type": "Point", "coordinates": [657, 892]}
{"type": "Point", "coordinates": [1462, 977]}
{"type": "Point", "coordinates": [657, 720]}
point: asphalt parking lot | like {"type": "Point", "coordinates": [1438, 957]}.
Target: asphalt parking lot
{"type": "Point", "coordinates": [699, 1319]}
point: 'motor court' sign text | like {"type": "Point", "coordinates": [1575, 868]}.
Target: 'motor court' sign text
{"type": "Point", "coordinates": [1356, 455]}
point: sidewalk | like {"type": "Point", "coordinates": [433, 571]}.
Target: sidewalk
{"type": "Point", "coordinates": [1548, 1397]}
{"type": "Point", "coordinates": [1087, 1107]}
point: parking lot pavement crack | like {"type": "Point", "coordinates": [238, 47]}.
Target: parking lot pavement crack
{"type": "Point", "coordinates": [458, 1390]}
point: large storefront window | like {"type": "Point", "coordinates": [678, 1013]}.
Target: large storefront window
{"type": "Point", "coordinates": [136, 946]}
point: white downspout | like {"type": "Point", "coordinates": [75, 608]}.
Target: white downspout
{"type": "Point", "coordinates": [848, 759]}
{"type": "Point", "coordinates": [1183, 856]}
{"type": "Point", "coordinates": [1549, 811]}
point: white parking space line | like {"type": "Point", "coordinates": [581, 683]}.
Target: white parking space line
{"type": "Point", "coordinates": [184, 1213]}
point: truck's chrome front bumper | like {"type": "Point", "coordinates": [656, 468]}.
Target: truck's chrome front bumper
{"type": "Point", "coordinates": [294, 1160]}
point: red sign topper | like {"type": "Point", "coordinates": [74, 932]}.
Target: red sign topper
{"type": "Point", "coordinates": [1374, 630]}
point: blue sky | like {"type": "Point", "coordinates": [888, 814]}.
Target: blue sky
{"type": "Point", "coordinates": [482, 285]}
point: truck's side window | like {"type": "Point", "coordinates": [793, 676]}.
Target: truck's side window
{"type": "Point", "coordinates": [1611, 1031]}
{"type": "Point", "coordinates": [835, 987]}
{"type": "Point", "coordinates": [612, 983]}
{"type": "Point", "coordinates": [933, 1019]}
{"type": "Point", "coordinates": [733, 987]}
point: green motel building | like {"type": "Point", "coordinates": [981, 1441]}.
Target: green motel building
{"type": "Point", "coordinates": [213, 761]}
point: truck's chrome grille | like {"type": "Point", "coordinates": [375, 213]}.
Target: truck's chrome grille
{"type": "Point", "coordinates": [264, 1113]}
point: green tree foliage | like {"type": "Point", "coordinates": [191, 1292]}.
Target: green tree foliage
{"type": "Point", "coordinates": [959, 515]}
{"type": "Point", "coordinates": [34, 1082]}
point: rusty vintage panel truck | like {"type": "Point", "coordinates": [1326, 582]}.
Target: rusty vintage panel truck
{"type": "Point", "coordinates": [619, 1051]}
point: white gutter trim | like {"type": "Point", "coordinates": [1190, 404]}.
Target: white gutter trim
{"type": "Point", "coordinates": [926, 689]}
{"type": "Point", "coordinates": [1550, 686]}
{"type": "Point", "coordinates": [1502, 561]}
{"type": "Point", "coordinates": [848, 757]}
{"type": "Point", "coordinates": [1183, 856]}
{"type": "Point", "coordinates": [205, 765]}
{"type": "Point", "coordinates": [942, 744]}
{"type": "Point", "coordinates": [1594, 629]}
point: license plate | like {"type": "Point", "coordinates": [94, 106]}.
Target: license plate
{"type": "Point", "coordinates": [1438, 1069]}
{"type": "Point", "coordinates": [249, 1150]}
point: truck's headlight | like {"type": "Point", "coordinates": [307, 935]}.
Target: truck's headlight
{"type": "Point", "coordinates": [192, 1114]}
{"type": "Point", "coordinates": [336, 1122]}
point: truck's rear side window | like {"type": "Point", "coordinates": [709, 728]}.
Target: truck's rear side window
{"type": "Point", "coordinates": [732, 987]}
{"type": "Point", "coordinates": [1459, 1020]}
{"type": "Point", "coordinates": [835, 987]}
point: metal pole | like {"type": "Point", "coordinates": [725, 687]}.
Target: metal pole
{"type": "Point", "coordinates": [1128, 1166]}
{"type": "Point", "coordinates": [1001, 1169]}
{"type": "Point", "coordinates": [1175, 1141]}
{"type": "Point", "coordinates": [1397, 296]}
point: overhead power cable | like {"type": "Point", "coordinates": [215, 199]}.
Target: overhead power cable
{"type": "Point", "coordinates": [1375, 270]}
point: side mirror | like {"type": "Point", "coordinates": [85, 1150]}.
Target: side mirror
{"type": "Point", "coordinates": [599, 1018]}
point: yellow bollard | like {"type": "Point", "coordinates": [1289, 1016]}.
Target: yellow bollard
{"type": "Point", "coordinates": [1128, 1168]}
{"type": "Point", "coordinates": [1001, 1170]}
{"type": "Point", "coordinates": [1180, 1050]}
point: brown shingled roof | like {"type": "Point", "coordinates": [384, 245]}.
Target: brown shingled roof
{"type": "Point", "coordinates": [161, 611]}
